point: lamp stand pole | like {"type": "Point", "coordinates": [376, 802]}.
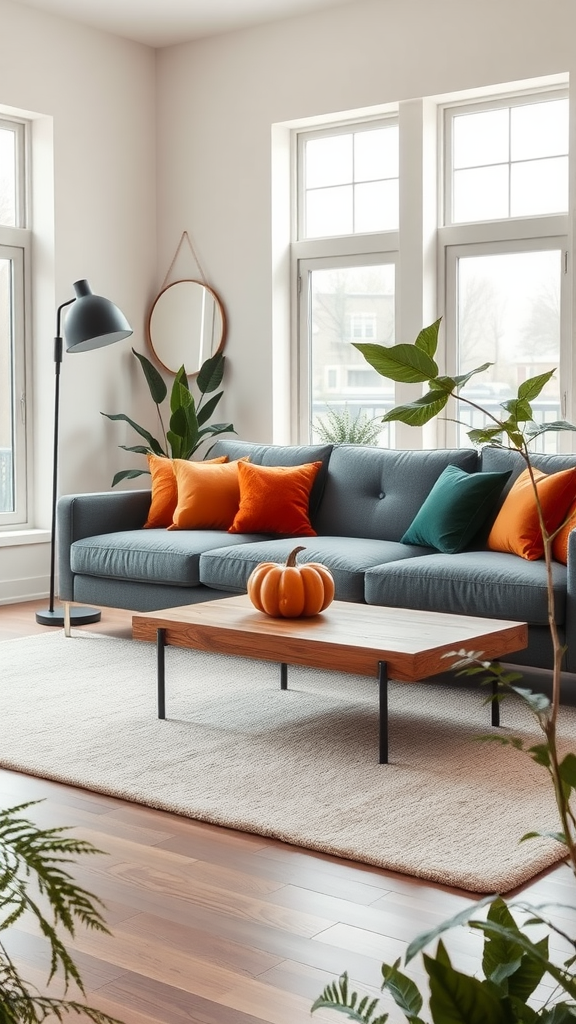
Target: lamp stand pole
{"type": "Point", "coordinates": [51, 616]}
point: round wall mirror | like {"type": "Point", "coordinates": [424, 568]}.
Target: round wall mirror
{"type": "Point", "coordinates": [186, 326]}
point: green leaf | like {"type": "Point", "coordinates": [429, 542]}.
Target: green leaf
{"type": "Point", "coordinates": [558, 836]}
{"type": "Point", "coordinates": [337, 996]}
{"type": "Point", "coordinates": [554, 426]}
{"type": "Point", "coordinates": [204, 412]}
{"type": "Point", "coordinates": [463, 378]}
{"type": "Point", "coordinates": [154, 380]}
{"type": "Point", "coordinates": [210, 374]}
{"type": "Point", "coordinates": [128, 474]}
{"type": "Point", "coordinates": [154, 445]}
{"type": "Point", "coordinates": [520, 412]}
{"type": "Point", "coordinates": [484, 435]}
{"type": "Point", "coordinates": [405, 363]}
{"type": "Point", "coordinates": [456, 998]}
{"type": "Point", "coordinates": [136, 449]}
{"type": "Point", "coordinates": [463, 917]}
{"type": "Point", "coordinates": [427, 340]}
{"type": "Point", "coordinates": [502, 956]}
{"type": "Point", "coordinates": [418, 412]}
{"type": "Point", "coordinates": [489, 928]}
{"type": "Point", "coordinates": [567, 770]}
{"type": "Point", "coordinates": [537, 702]}
{"type": "Point", "coordinates": [530, 389]}
{"type": "Point", "coordinates": [180, 396]}
{"type": "Point", "coordinates": [540, 753]}
{"type": "Point", "coordinates": [403, 990]}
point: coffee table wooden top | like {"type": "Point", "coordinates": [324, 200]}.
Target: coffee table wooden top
{"type": "Point", "coordinates": [347, 636]}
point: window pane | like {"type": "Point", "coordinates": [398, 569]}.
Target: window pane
{"type": "Point", "coordinates": [7, 177]}
{"type": "Point", "coordinates": [539, 186]}
{"type": "Point", "coordinates": [6, 390]}
{"type": "Point", "coordinates": [329, 211]}
{"type": "Point", "coordinates": [328, 161]}
{"type": "Point", "coordinates": [480, 194]}
{"type": "Point", "coordinates": [350, 304]}
{"type": "Point", "coordinates": [539, 129]}
{"type": "Point", "coordinates": [376, 154]}
{"type": "Point", "coordinates": [480, 138]}
{"type": "Point", "coordinates": [376, 206]}
{"type": "Point", "coordinates": [509, 315]}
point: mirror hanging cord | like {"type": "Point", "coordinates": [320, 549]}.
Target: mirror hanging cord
{"type": "Point", "coordinates": [184, 237]}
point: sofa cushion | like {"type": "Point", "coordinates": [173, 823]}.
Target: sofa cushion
{"type": "Point", "coordinates": [376, 492]}
{"type": "Point", "coordinates": [281, 455]}
{"type": "Point", "coordinates": [208, 495]}
{"type": "Point", "coordinates": [275, 499]}
{"type": "Point", "coordinates": [492, 584]}
{"type": "Point", "coordinates": [456, 508]}
{"type": "Point", "coordinates": [517, 528]}
{"type": "Point", "coordinates": [151, 556]}
{"type": "Point", "coordinates": [346, 557]}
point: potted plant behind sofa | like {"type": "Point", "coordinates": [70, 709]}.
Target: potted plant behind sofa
{"type": "Point", "coordinates": [513, 964]}
{"type": "Point", "coordinates": [188, 427]}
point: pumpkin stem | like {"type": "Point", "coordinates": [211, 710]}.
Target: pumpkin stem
{"type": "Point", "coordinates": [291, 560]}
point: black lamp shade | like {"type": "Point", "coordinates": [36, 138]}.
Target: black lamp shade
{"type": "Point", "coordinates": [93, 321]}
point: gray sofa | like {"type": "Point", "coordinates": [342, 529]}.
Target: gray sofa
{"type": "Point", "coordinates": [362, 503]}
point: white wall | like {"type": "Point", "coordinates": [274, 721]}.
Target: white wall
{"type": "Point", "coordinates": [94, 217]}
{"type": "Point", "coordinates": [219, 97]}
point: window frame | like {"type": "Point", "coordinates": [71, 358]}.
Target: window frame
{"type": "Point", "coordinates": [15, 244]}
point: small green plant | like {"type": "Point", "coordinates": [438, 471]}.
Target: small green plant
{"type": "Point", "coordinates": [188, 427]}
{"type": "Point", "coordinates": [340, 427]}
{"type": "Point", "coordinates": [33, 873]}
{"type": "Point", "coordinates": [513, 964]}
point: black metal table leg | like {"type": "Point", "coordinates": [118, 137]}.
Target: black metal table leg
{"type": "Point", "coordinates": [160, 671]}
{"type": "Point", "coordinates": [495, 704]}
{"type": "Point", "coordinates": [383, 699]}
{"type": "Point", "coordinates": [283, 676]}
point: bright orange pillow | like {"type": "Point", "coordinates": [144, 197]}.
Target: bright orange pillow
{"type": "Point", "coordinates": [208, 495]}
{"type": "Point", "coordinates": [517, 528]}
{"type": "Point", "coordinates": [560, 542]}
{"type": "Point", "coordinates": [275, 499]}
{"type": "Point", "coordinates": [164, 490]}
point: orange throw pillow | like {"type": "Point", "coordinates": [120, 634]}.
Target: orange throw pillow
{"type": "Point", "coordinates": [516, 528]}
{"type": "Point", "coordinates": [275, 499]}
{"type": "Point", "coordinates": [560, 542]}
{"type": "Point", "coordinates": [208, 495]}
{"type": "Point", "coordinates": [164, 491]}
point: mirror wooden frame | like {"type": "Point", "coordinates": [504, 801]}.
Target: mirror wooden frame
{"type": "Point", "coordinates": [175, 352]}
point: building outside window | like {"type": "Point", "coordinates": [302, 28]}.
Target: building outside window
{"type": "Point", "coordinates": [14, 254]}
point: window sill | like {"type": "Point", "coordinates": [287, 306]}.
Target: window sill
{"type": "Point", "coordinates": [16, 538]}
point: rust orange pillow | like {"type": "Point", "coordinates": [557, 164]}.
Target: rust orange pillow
{"type": "Point", "coordinates": [560, 542]}
{"type": "Point", "coordinates": [275, 499]}
{"type": "Point", "coordinates": [164, 490]}
{"type": "Point", "coordinates": [208, 495]}
{"type": "Point", "coordinates": [517, 528]}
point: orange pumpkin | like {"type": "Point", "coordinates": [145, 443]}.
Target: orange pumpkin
{"type": "Point", "coordinates": [291, 591]}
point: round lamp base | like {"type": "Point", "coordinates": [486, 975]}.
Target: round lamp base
{"type": "Point", "coordinates": [78, 616]}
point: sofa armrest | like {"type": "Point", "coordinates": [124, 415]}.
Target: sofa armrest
{"type": "Point", "coordinates": [87, 515]}
{"type": "Point", "coordinates": [570, 657]}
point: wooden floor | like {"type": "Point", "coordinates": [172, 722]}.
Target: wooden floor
{"type": "Point", "coordinates": [216, 926]}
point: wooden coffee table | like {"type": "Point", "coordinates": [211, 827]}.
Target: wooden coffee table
{"type": "Point", "coordinates": [385, 643]}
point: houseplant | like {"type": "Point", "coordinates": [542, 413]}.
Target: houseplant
{"type": "Point", "coordinates": [513, 963]}
{"type": "Point", "coordinates": [35, 881]}
{"type": "Point", "coordinates": [188, 427]}
{"type": "Point", "coordinates": [340, 427]}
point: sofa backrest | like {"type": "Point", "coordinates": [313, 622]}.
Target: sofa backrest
{"type": "Point", "coordinates": [376, 492]}
{"type": "Point", "coordinates": [496, 460]}
{"type": "Point", "coordinates": [280, 455]}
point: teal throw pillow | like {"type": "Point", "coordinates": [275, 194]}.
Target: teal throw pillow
{"type": "Point", "coordinates": [455, 510]}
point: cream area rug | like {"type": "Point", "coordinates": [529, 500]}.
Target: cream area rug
{"type": "Point", "coordinates": [300, 765]}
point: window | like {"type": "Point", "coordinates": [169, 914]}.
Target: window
{"type": "Point", "coordinates": [508, 161]}
{"type": "Point", "coordinates": [349, 181]}
{"type": "Point", "coordinates": [14, 246]}
{"type": "Point", "coordinates": [468, 200]}
{"type": "Point", "coordinates": [505, 250]}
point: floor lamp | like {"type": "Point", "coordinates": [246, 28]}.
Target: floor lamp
{"type": "Point", "coordinates": [92, 322]}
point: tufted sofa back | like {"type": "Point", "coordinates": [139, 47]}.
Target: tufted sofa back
{"type": "Point", "coordinates": [376, 492]}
